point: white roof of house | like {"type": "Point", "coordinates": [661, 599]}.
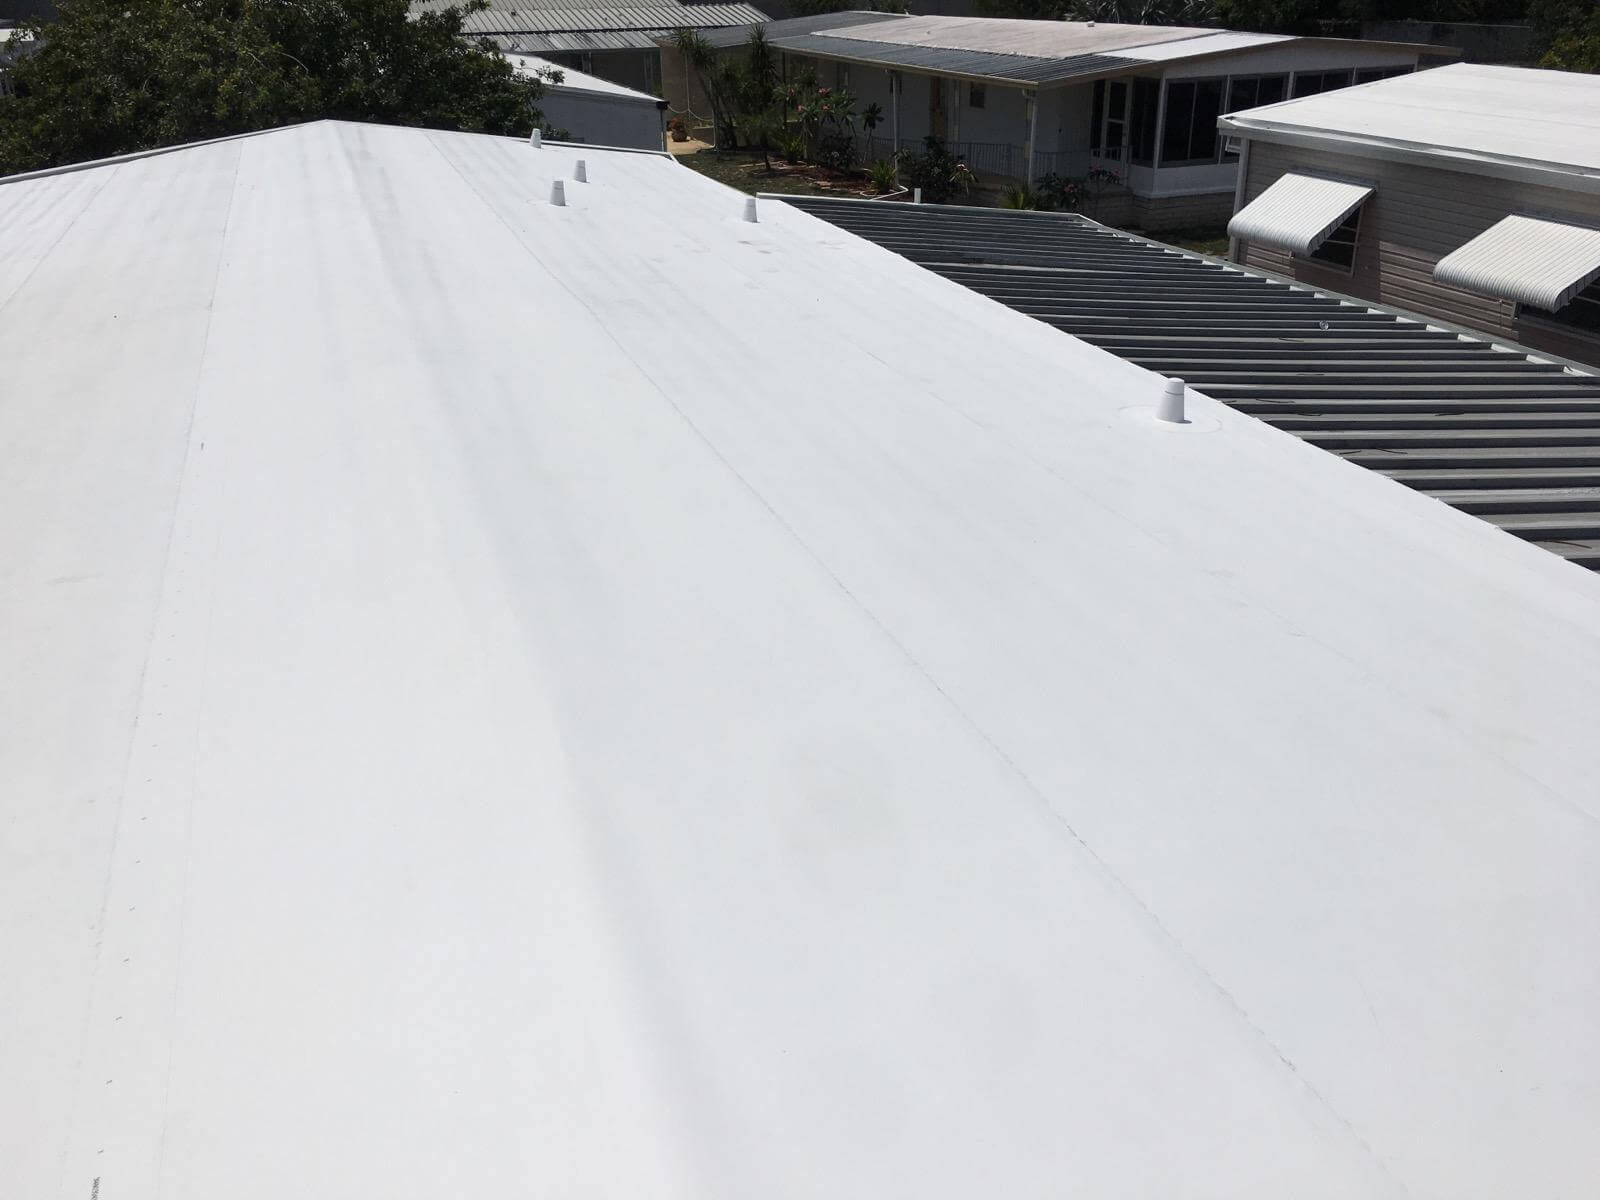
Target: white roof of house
{"type": "Point", "coordinates": [1202, 44]}
{"type": "Point", "coordinates": [1033, 53]}
{"type": "Point", "coordinates": [1464, 116]}
{"type": "Point", "coordinates": [997, 35]}
{"type": "Point", "coordinates": [614, 700]}
{"type": "Point", "coordinates": [578, 82]}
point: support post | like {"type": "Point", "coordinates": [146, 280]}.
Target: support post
{"type": "Point", "coordinates": [1238, 196]}
{"type": "Point", "coordinates": [955, 111]}
{"type": "Point", "coordinates": [894, 116]}
{"type": "Point", "coordinates": [1030, 101]}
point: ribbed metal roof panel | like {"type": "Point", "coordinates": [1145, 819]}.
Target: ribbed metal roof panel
{"type": "Point", "coordinates": [1506, 436]}
{"type": "Point", "coordinates": [1526, 259]}
{"type": "Point", "coordinates": [724, 39]}
{"type": "Point", "coordinates": [977, 64]}
{"type": "Point", "coordinates": [543, 17]}
{"type": "Point", "coordinates": [1297, 212]}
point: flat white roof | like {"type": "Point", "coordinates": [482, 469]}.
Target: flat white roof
{"type": "Point", "coordinates": [1464, 116]}
{"type": "Point", "coordinates": [1202, 44]}
{"type": "Point", "coordinates": [578, 82]}
{"type": "Point", "coordinates": [618, 701]}
{"type": "Point", "coordinates": [998, 35]}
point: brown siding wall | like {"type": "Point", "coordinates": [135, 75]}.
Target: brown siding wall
{"type": "Point", "coordinates": [1415, 217]}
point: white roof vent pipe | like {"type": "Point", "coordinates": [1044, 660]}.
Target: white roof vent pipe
{"type": "Point", "coordinates": [558, 193]}
{"type": "Point", "coordinates": [581, 172]}
{"type": "Point", "coordinates": [536, 139]}
{"type": "Point", "coordinates": [750, 210]}
{"type": "Point", "coordinates": [1171, 407]}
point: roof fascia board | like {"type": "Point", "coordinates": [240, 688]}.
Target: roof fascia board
{"type": "Point", "coordinates": [1518, 170]}
{"type": "Point", "coordinates": [1031, 85]}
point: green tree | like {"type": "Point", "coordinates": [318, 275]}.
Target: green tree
{"type": "Point", "coordinates": [1568, 33]}
{"type": "Point", "coordinates": [116, 76]}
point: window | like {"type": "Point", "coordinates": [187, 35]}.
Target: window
{"type": "Point", "coordinates": [1371, 74]}
{"type": "Point", "coordinates": [1142, 122]}
{"type": "Point", "coordinates": [1340, 248]}
{"type": "Point", "coordinates": [1108, 119]}
{"type": "Point", "coordinates": [1116, 120]}
{"type": "Point", "coordinates": [976, 96]}
{"type": "Point", "coordinates": [1189, 135]}
{"type": "Point", "coordinates": [1581, 312]}
{"type": "Point", "coordinates": [1252, 91]}
{"type": "Point", "coordinates": [1309, 83]}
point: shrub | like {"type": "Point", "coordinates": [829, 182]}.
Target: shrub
{"type": "Point", "coordinates": [884, 176]}
{"type": "Point", "coordinates": [941, 175]}
{"type": "Point", "coordinates": [836, 151]}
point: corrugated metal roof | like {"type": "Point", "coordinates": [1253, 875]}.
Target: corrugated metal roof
{"type": "Point", "coordinates": [578, 43]}
{"type": "Point", "coordinates": [1498, 434]}
{"type": "Point", "coordinates": [1297, 212]}
{"type": "Point", "coordinates": [1454, 117]}
{"type": "Point", "coordinates": [1526, 259]}
{"type": "Point", "coordinates": [975, 64]}
{"type": "Point", "coordinates": [650, 19]}
{"type": "Point", "coordinates": [723, 39]}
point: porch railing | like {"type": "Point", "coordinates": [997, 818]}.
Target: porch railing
{"type": "Point", "coordinates": [987, 158]}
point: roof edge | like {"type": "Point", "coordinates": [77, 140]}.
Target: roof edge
{"type": "Point", "coordinates": [1526, 170]}
{"type": "Point", "coordinates": [90, 164]}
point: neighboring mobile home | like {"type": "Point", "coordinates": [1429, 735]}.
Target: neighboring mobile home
{"type": "Point", "coordinates": [586, 108]}
{"type": "Point", "coordinates": [611, 40]}
{"type": "Point", "coordinates": [1020, 99]}
{"type": "Point", "coordinates": [1470, 193]}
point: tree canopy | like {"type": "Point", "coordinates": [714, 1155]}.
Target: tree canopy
{"type": "Point", "coordinates": [117, 76]}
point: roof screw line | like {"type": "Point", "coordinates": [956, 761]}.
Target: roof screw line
{"type": "Point", "coordinates": [1171, 407]}
{"type": "Point", "coordinates": [536, 139]}
{"type": "Point", "coordinates": [750, 210]}
{"type": "Point", "coordinates": [581, 172]}
{"type": "Point", "coordinates": [558, 193]}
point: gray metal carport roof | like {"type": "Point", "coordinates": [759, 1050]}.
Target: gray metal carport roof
{"type": "Point", "coordinates": [1493, 430]}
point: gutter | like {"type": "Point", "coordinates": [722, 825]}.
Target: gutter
{"type": "Point", "coordinates": [1520, 170]}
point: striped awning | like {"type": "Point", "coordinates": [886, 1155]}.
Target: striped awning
{"type": "Point", "coordinates": [1297, 213]}
{"type": "Point", "coordinates": [1527, 259]}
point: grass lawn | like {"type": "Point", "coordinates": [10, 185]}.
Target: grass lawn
{"type": "Point", "coordinates": [1204, 239]}
{"type": "Point", "coordinates": [744, 171]}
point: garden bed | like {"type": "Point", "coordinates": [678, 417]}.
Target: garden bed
{"type": "Point", "coordinates": [745, 170]}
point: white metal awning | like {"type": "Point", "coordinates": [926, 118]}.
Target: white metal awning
{"type": "Point", "coordinates": [1526, 259]}
{"type": "Point", "coordinates": [1298, 212]}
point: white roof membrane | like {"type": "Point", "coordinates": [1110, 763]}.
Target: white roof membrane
{"type": "Point", "coordinates": [614, 700]}
{"type": "Point", "coordinates": [1456, 114]}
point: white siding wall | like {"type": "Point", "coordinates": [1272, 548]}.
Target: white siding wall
{"type": "Point", "coordinates": [604, 121]}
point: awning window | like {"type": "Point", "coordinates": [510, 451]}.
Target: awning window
{"type": "Point", "coordinates": [1526, 259]}
{"type": "Point", "coordinates": [1297, 213]}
